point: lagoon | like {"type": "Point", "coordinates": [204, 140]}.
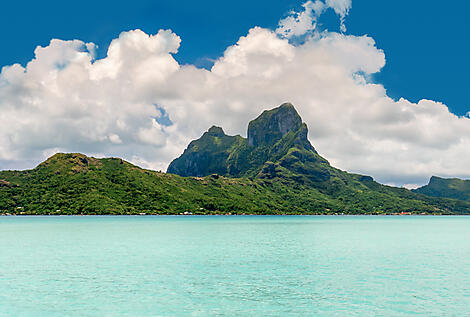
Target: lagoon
{"type": "Point", "coordinates": [235, 266]}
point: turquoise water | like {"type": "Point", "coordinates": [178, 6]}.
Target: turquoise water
{"type": "Point", "coordinates": [235, 266]}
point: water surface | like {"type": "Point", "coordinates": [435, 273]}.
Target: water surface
{"type": "Point", "coordinates": [234, 266]}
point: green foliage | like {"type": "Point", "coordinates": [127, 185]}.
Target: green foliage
{"type": "Point", "coordinates": [76, 184]}
{"type": "Point", "coordinates": [446, 187]}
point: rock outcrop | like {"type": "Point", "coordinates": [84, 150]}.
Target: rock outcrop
{"type": "Point", "coordinates": [273, 124]}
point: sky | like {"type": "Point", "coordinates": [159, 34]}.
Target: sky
{"type": "Point", "coordinates": [380, 84]}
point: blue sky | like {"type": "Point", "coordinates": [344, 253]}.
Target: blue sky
{"type": "Point", "coordinates": [425, 42]}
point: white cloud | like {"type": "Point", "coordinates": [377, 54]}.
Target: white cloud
{"type": "Point", "coordinates": [300, 23]}
{"type": "Point", "coordinates": [341, 8]}
{"type": "Point", "coordinates": [64, 100]}
{"type": "Point", "coordinates": [114, 138]}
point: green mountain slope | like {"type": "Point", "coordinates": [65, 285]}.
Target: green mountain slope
{"type": "Point", "coordinates": [77, 184]}
{"type": "Point", "coordinates": [274, 171]}
{"type": "Point", "coordinates": [208, 155]}
{"type": "Point", "coordinates": [446, 187]}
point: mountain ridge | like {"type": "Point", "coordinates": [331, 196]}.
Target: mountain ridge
{"type": "Point", "coordinates": [279, 173]}
{"type": "Point", "coordinates": [446, 187]}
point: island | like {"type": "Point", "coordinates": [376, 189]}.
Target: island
{"type": "Point", "coordinates": [275, 170]}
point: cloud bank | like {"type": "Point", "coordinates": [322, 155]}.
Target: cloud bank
{"type": "Point", "coordinates": [139, 103]}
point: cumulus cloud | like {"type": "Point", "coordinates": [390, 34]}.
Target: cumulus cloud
{"type": "Point", "coordinates": [300, 23]}
{"type": "Point", "coordinates": [139, 103]}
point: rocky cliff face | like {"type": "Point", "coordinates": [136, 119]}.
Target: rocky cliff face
{"type": "Point", "coordinates": [273, 124]}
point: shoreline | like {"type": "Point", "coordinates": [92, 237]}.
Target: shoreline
{"type": "Point", "coordinates": [240, 215]}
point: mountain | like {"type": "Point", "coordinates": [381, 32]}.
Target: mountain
{"type": "Point", "coordinates": [446, 187]}
{"type": "Point", "coordinates": [270, 136]}
{"type": "Point", "coordinates": [275, 170]}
